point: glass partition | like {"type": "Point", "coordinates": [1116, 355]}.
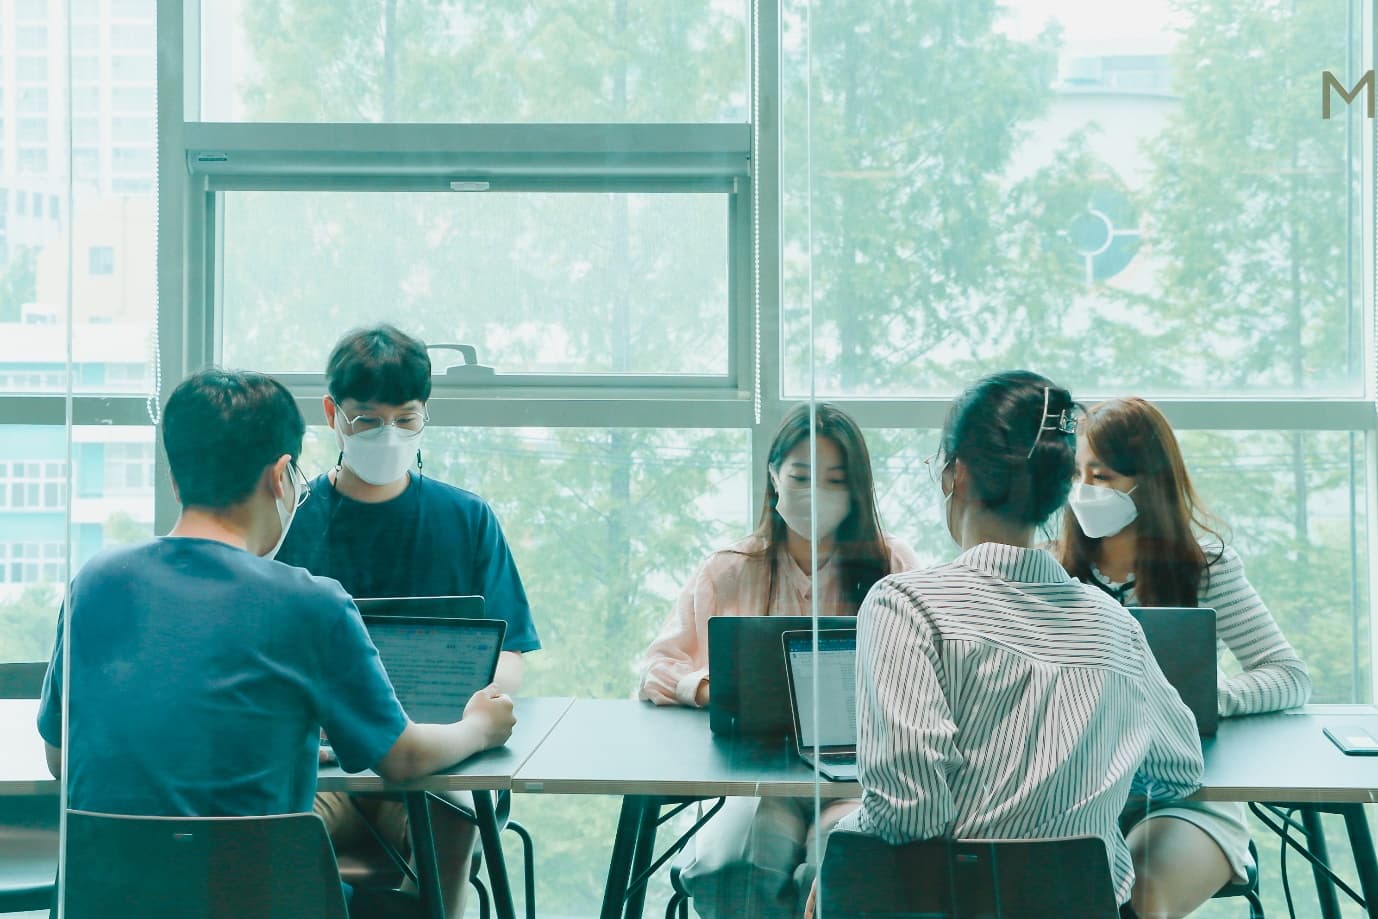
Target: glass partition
{"type": "Point", "coordinates": [1084, 191]}
{"type": "Point", "coordinates": [872, 209]}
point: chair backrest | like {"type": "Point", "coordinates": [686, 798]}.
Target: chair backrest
{"type": "Point", "coordinates": [276, 867]}
{"type": "Point", "coordinates": [865, 878]}
{"type": "Point", "coordinates": [23, 680]}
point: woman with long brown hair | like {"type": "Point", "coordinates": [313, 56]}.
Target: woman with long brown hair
{"type": "Point", "coordinates": [1136, 529]}
{"type": "Point", "coordinates": [750, 859]}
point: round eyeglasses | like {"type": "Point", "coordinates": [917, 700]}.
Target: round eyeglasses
{"type": "Point", "coordinates": [408, 424]}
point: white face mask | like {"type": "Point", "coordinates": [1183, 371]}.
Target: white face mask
{"type": "Point", "coordinates": [834, 504]}
{"type": "Point", "coordinates": [947, 512]}
{"type": "Point", "coordinates": [286, 514]}
{"type": "Point", "coordinates": [381, 459]}
{"type": "Point", "coordinates": [1102, 511]}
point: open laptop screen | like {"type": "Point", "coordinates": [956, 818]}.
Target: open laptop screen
{"type": "Point", "coordinates": [836, 712]}
{"type": "Point", "coordinates": [435, 665]}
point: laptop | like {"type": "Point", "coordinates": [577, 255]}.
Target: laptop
{"type": "Point", "coordinates": [826, 736]}
{"type": "Point", "coordinates": [436, 664]}
{"type": "Point", "coordinates": [748, 694]}
{"type": "Point", "coordinates": [1182, 640]}
{"type": "Point", "coordinates": [465, 607]}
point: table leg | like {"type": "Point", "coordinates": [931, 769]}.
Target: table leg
{"type": "Point", "coordinates": [1315, 841]}
{"type": "Point", "coordinates": [1365, 861]}
{"type": "Point", "coordinates": [423, 848]}
{"type": "Point", "coordinates": [491, 839]}
{"type": "Point", "coordinates": [641, 857]}
{"type": "Point", "coordinates": [620, 864]}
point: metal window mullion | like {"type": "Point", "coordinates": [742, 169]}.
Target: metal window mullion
{"type": "Point", "coordinates": [1285, 414]}
{"type": "Point", "coordinates": [766, 173]}
{"type": "Point", "coordinates": [1369, 273]}
{"type": "Point", "coordinates": [601, 183]}
{"type": "Point", "coordinates": [570, 386]}
{"type": "Point", "coordinates": [458, 151]}
{"type": "Point", "coordinates": [562, 412]}
{"type": "Point", "coordinates": [177, 34]}
{"type": "Point", "coordinates": [104, 410]}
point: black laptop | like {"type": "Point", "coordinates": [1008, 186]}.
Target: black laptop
{"type": "Point", "coordinates": [748, 690]}
{"type": "Point", "coordinates": [457, 607]}
{"type": "Point", "coordinates": [1182, 640]}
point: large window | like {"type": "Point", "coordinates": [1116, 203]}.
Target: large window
{"type": "Point", "coordinates": [657, 254]}
{"type": "Point", "coordinates": [547, 283]}
{"type": "Point", "coordinates": [77, 307]}
{"type": "Point", "coordinates": [1051, 185]}
{"type": "Point", "coordinates": [657, 226]}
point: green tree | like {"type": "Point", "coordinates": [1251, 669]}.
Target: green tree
{"type": "Point", "coordinates": [911, 113]}
{"type": "Point", "coordinates": [122, 529]}
{"type": "Point", "coordinates": [18, 282]}
{"type": "Point", "coordinates": [1248, 203]}
{"type": "Point", "coordinates": [27, 624]}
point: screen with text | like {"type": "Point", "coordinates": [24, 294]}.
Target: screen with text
{"type": "Point", "coordinates": [835, 719]}
{"type": "Point", "coordinates": [436, 668]}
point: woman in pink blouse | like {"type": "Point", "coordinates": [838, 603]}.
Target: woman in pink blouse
{"type": "Point", "coordinates": [751, 858]}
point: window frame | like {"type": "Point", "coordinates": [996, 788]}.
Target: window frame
{"type": "Point", "coordinates": [225, 157]}
{"type": "Point", "coordinates": [741, 160]}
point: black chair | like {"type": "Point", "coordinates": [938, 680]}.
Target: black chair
{"type": "Point", "coordinates": [1248, 889]}
{"type": "Point", "coordinates": [277, 867]}
{"type": "Point", "coordinates": [28, 824]}
{"type": "Point", "coordinates": [678, 905]}
{"type": "Point", "coordinates": [380, 865]}
{"type": "Point", "coordinates": [863, 877]}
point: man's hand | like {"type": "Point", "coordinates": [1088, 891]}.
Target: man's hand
{"type": "Point", "coordinates": [491, 712]}
{"type": "Point", "coordinates": [326, 756]}
{"type": "Point", "coordinates": [811, 904]}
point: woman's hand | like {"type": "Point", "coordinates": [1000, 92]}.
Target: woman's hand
{"type": "Point", "coordinates": [811, 904]}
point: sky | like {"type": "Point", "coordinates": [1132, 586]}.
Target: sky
{"type": "Point", "coordinates": [1092, 20]}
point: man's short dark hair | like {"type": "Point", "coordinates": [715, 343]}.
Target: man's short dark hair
{"type": "Point", "coordinates": [221, 428]}
{"type": "Point", "coordinates": [382, 365]}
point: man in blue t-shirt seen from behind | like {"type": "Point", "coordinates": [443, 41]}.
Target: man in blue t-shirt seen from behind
{"type": "Point", "coordinates": [202, 671]}
{"type": "Point", "coordinates": [381, 528]}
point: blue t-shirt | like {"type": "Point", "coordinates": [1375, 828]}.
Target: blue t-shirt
{"type": "Point", "coordinates": [433, 540]}
{"type": "Point", "coordinates": [201, 676]}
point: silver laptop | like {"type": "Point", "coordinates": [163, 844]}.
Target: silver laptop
{"type": "Point", "coordinates": [435, 665]}
{"type": "Point", "coordinates": [825, 736]}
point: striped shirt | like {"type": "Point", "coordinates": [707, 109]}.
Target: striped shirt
{"type": "Point", "coordinates": [999, 698]}
{"type": "Point", "coordinates": [1274, 676]}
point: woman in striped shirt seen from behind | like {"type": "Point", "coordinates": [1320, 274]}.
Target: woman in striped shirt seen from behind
{"type": "Point", "coordinates": [1135, 529]}
{"type": "Point", "coordinates": [997, 697]}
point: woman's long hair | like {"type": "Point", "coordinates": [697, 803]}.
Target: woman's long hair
{"type": "Point", "coordinates": [861, 556]}
{"type": "Point", "coordinates": [1133, 438]}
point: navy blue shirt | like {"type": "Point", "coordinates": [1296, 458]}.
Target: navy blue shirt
{"type": "Point", "coordinates": [201, 676]}
{"type": "Point", "coordinates": [433, 540]}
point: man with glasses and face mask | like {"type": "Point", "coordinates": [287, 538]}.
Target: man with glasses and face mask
{"type": "Point", "coordinates": [382, 529]}
{"type": "Point", "coordinates": [201, 671]}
